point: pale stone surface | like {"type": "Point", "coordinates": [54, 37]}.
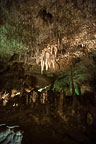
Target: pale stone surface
{"type": "Point", "coordinates": [8, 135]}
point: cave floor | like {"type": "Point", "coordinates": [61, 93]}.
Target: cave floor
{"type": "Point", "coordinates": [40, 123]}
{"type": "Point", "coordinates": [42, 126]}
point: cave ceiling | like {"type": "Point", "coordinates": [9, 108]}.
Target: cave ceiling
{"type": "Point", "coordinates": [39, 23]}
